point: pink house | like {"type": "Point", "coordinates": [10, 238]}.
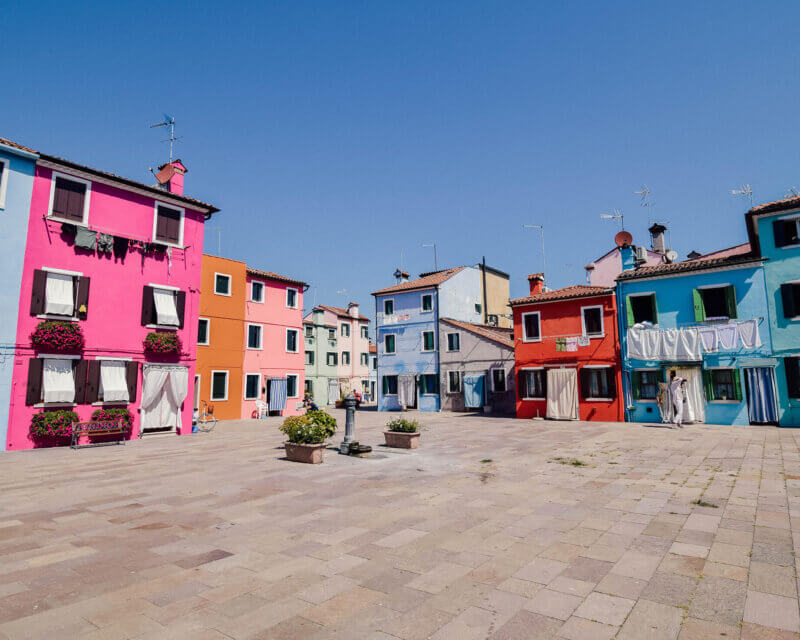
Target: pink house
{"type": "Point", "coordinates": [120, 260]}
{"type": "Point", "coordinates": [274, 356]}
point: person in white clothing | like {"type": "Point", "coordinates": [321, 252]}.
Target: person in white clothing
{"type": "Point", "coordinates": [677, 389]}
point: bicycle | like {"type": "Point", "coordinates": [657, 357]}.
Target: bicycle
{"type": "Point", "coordinates": [206, 420]}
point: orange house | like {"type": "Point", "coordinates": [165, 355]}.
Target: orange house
{"type": "Point", "coordinates": [220, 338]}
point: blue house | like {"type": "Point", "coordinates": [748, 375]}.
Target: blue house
{"type": "Point", "coordinates": [774, 232]}
{"type": "Point", "coordinates": [16, 185]}
{"type": "Point", "coordinates": [407, 329]}
{"type": "Point", "coordinates": [707, 320]}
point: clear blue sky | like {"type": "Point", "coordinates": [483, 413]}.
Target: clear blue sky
{"type": "Point", "coordinates": [336, 135]}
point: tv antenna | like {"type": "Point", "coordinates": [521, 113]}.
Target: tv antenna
{"type": "Point", "coordinates": [793, 192]}
{"type": "Point", "coordinates": [744, 192]}
{"type": "Point", "coordinates": [169, 121]}
{"type": "Point", "coordinates": [540, 229]}
{"type": "Point", "coordinates": [435, 256]}
{"type": "Point", "coordinates": [341, 292]}
{"type": "Point", "coordinates": [617, 215]}
{"type": "Point", "coordinates": [644, 194]}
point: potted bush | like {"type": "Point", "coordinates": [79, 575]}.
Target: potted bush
{"type": "Point", "coordinates": [53, 424]}
{"type": "Point", "coordinates": [114, 415]}
{"type": "Point", "coordinates": [402, 434]}
{"type": "Point", "coordinates": [57, 335]}
{"type": "Point", "coordinates": [162, 342]}
{"type": "Point", "coordinates": [306, 436]}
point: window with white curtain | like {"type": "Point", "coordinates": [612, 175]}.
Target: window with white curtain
{"type": "Point", "coordinates": [113, 382]}
{"type": "Point", "coordinates": [58, 380]}
{"type": "Point", "coordinates": [59, 294]}
{"type": "Point", "coordinates": [166, 309]}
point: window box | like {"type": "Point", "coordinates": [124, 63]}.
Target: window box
{"type": "Point", "coordinates": [162, 342]}
{"type": "Point", "coordinates": [641, 307]}
{"type": "Point", "coordinates": [53, 424]}
{"type": "Point", "coordinates": [114, 415]}
{"type": "Point", "coordinates": [58, 336]}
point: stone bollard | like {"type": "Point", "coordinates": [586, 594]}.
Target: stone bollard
{"type": "Point", "coordinates": [349, 423]}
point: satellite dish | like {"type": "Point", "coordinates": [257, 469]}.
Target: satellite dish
{"type": "Point", "coordinates": [623, 239]}
{"type": "Point", "coordinates": [672, 256]}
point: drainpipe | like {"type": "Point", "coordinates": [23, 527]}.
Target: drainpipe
{"type": "Point", "coordinates": [620, 328]}
{"type": "Point", "coordinates": [485, 310]}
{"type": "Point", "coordinates": [438, 347]}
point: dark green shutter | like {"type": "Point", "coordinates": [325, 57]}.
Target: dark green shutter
{"type": "Point", "coordinates": [699, 309]}
{"type": "Point", "coordinates": [792, 368]}
{"type": "Point", "coordinates": [737, 385]}
{"type": "Point", "coordinates": [730, 301]}
{"type": "Point", "coordinates": [629, 311]}
{"type": "Point", "coordinates": [779, 231]}
{"type": "Point", "coordinates": [636, 384]}
{"type": "Point", "coordinates": [787, 295]}
{"type": "Point", "coordinates": [708, 387]}
{"type": "Point", "coordinates": [654, 305]}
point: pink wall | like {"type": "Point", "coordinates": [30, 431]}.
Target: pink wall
{"type": "Point", "coordinates": [273, 360]}
{"type": "Point", "coordinates": [607, 268]}
{"type": "Point", "coordinates": [113, 325]}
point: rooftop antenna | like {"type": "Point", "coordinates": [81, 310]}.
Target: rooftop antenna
{"type": "Point", "coordinates": [643, 194]}
{"type": "Point", "coordinates": [617, 215]}
{"type": "Point", "coordinates": [744, 192]}
{"type": "Point", "coordinates": [540, 229]}
{"type": "Point", "coordinates": [435, 256]}
{"type": "Point", "coordinates": [169, 121]}
{"type": "Point", "coordinates": [793, 192]}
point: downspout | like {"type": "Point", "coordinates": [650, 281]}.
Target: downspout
{"type": "Point", "coordinates": [485, 309]}
{"type": "Point", "coordinates": [438, 347]}
{"type": "Point", "coordinates": [623, 373]}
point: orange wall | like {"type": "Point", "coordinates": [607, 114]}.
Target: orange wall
{"type": "Point", "coordinates": [225, 351]}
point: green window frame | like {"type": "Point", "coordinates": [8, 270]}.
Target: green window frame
{"type": "Point", "coordinates": [389, 343]}
{"type": "Point", "coordinates": [644, 384]}
{"type": "Point", "coordinates": [389, 385]}
{"type": "Point", "coordinates": [429, 384]}
{"type": "Point", "coordinates": [720, 383]}
{"type": "Point", "coordinates": [427, 302]}
{"type": "Point", "coordinates": [388, 307]}
{"type": "Point", "coordinates": [428, 341]}
{"type": "Point", "coordinates": [630, 308]}
{"type": "Point", "coordinates": [700, 312]}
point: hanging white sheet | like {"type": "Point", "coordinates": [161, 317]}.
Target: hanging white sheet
{"type": "Point", "coordinates": [708, 337]}
{"type": "Point", "coordinates": [59, 295]}
{"type": "Point", "coordinates": [58, 380]}
{"type": "Point", "coordinates": [113, 382]}
{"type": "Point", "coordinates": [562, 394]}
{"type": "Point", "coordinates": [748, 334]}
{"type": "Point", "coordinates": [647, 343]}
{"type": "Point", "coordinates": [728, 335]}
{"type": "Point", "coordinates": [166, 311]}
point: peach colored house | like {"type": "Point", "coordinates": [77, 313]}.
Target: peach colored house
{"type": "Point", "coordinates": [119, 259]}
{"type": "Point", "coordinates": [274, 357]}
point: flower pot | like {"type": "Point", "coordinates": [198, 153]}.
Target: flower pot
{"type": "Point", "coordinates": [401, 439]}
{"type": "Point", "coordinates": [308, 453]}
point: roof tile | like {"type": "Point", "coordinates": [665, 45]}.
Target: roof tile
{"type": "Point", "coordinates": [490, 332]}
{"type": "Point", "coordinates": [573, 291]}
{"type": "Point", "coordinates": [426, 281]}
{"type": "Point", "coordinates": [275, 276]}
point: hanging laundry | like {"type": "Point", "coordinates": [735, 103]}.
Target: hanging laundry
{"type": "Point", "coordinates": [583, 341]}
{"type": "Point", "coordinates": [669, 344]}
{"type": "Point", "coordinates": [572, 344]}
{"type": "Point", "coordinates": [709, 338]}
{"type": "Point", "coordinates": [689, 347]}
{"type": "Point", "coordinates": [561, 344]}
{"type": "Point", "coordinates": [727, 335]}
{"type": "Point", "coordinates": [68, 229]}
{"type": "Point", "coordinates": [105, 243]}
{"type": "Point", "coordinates": [749, 334]}
{"type": "Point", "coordinates": [86, 238]}
{"type": "Point", "coordinates": [120, 247]}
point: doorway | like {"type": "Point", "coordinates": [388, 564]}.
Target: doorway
{"type": "Point", "coordinates": [562, 394]}
{"type": "Point", "coordinates": [407, 391]}
{"type": "Point", "coordinates": [275, 394]}
{"type": "Point", "coordinates": [695, 409]}
{"type": "Point", "coordinates": [762, 405]}
{"type": "Point", "coordinates": [164, 389]}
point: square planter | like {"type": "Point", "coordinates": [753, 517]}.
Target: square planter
{"type": "Point", "coordinates": [308, 453]}
{"type": "Point", "coordinates": [401, 439]}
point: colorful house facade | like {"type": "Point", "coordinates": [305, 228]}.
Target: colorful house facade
{"type": "Point", "coordinates": [567, 353]}
{"type": "Point", "coordinates": [116, 260]}
{"type": "Point", "coordinates": [320, 336]}
{"type": "Point", "coordinates": [17, 166]}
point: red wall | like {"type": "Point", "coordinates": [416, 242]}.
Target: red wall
{"type": "Point", "coordinates": [561, 319]}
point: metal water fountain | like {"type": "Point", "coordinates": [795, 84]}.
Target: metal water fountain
{"type": "Point", "coordinates": [350, 446]}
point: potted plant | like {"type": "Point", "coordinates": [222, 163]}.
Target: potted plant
{"type": "Point", "coordinates": [114, 415]}
{"type": "Point", "coordinates": [53, 425]}
{"type": "Point", "coordinates": [402, 434]}
{"type": "Point", "coordinates": [57, 335]}
{"type": "Point", "coordinates": [162, 342]}
{"type": "Point", "coordinates": [306, 436]}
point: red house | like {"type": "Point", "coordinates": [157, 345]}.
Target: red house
{"type": "Point", "coordinates": [567, 353]}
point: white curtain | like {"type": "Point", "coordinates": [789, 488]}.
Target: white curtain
{"type": "Point", "coordinates": [695, 411]}
{"type": "Point", "coordinates": [113, 382]}
{"type": "Point", "coordinates": [166, 311]}
{"type": "Point", "coordinates": [59, 295]}
{"type": "Point", "coordinates": [154, 396]}
{"type": "Point", "coordinates": [179, 384]}
{"type": "Point", "coordinates": [562, 394]}
{"type": "Point", "coordinates": [58, 380]}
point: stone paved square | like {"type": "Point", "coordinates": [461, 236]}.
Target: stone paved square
{"type": "Point", "coordinates": [482, 532]}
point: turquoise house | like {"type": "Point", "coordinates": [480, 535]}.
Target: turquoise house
{"type": "Point", "coordinates": [16, 186]}
{"type": "Point", "coordinates": [713, 315]}
{"type": "Point", "coordinates": [774, 232]}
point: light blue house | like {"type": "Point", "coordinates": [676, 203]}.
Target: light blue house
{"type": "Point", "coordinates": [16, 185]}
{"type": "Point", "coordinates": [407, 330]}
{"type": "Point", "coordinates": [774, 232]}
{"type": "Point", "coordinates": [709, 324]}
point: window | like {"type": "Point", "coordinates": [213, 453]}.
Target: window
{"type": "Point", "coordinates": [790, 295]}
{"type": "Point", "coordinates": [390, 385]}
{"type": "Point", "coordinates": [69, 199]}
{"type": "Point", "coordinates": [388, 307]}
{"type": "Point", "coordinates": [309, 357]}
{"type": "Point", "coordinates": [332, 359]}
{"type": "Point", "coordinates": [222, 284]}
{"type": "Point", "coordinates": [592, 321]}
{"type": "Point", "coordinates": [3, 182]}
{"type": "Point", "coordinates": [722, 385]}
{"type": "Point", "coordinates": [597, 383]}
{"type": "Point", "coordinates": [254, 336]}
{"type": "Point", "coordinates": [60, 295]}
{"type": "Point", "coordinates": [168, 225]}
{"type": "Point", "coordinates": [453, 382]}
{"type": "Point", "coordinates": [291, 340]}
{"type": "Point", "coordinates": [787, 232]}
{"type": "Point", "coordinates": [345, 357]}
{"type": "Point", "coordinates": [291, 298]}
{"type": "Point", "coordinates": [309, 331]}
{"type": "Point", "coordinates": [427, 302]}
{"type": "Point", "coordinates": [533, 384]}
{"type": "Point", "coordinates": [58, 380]}
{"type": "Point", "coordinates": [364, 359]}
{"type": "Point", "coordinates": [428, 341]}
{"type": "Point", "coordinates": [203, 330]}
{"type": "Point", "coordinates": [375, 363]}
{"type": "Point", "coordinates": [332, 334]}
{"type": "Point", "coordinates": [453, 342]}
{"type": "Point", "coordinates": [493, 319]}
{"type": "Point", "coordinates": [792, 366]}
{"type": "Point", "coordinates": [308, 386]}
{"type": "Point", "coordinates": [219, 385]}
{"type": "Point", "coordinates": [714, 303]}
{"type": "Point", "coordinates": [498, 380]}
{"type": "Point", "coordinates": [429, 384]}
{"type": "Point", "coordinates": [345, 329]}
{"type": "Point", "coordinates": [530, 327]}
{"type": "Point", "coordinates": [291, 385]}
{"type": "Point", "coordinates": [641, 308]}
{"type": "Point", "coordinates": [252, 389]}
{"type": "Point", "coordinates": [113, 380]}
{"type": "Point", "coordinates": [365, 331]}
{"type": "Point", "coordinates": [645, 384]}
{"type": "Point", "coordinates": [165, 302]}
{"type": "Point", "coordinates": [478, 308]}
{"type": "Point", "coordinates": [389, 344]}
{"type": "Point", "coordinates": [256, 291]}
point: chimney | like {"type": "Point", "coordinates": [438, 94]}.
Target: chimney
{"type": "Point", "coordinates": [536, 283]}
{"type": "Point", "coordinates": [352, 309]}
{"type": "Point", "coordinates": [627, 258]}
{"type": "Point", "coordinates": [657, 235]}
{"type": "Point", "coordinates": [400, 276]}
{"type": "Point", "coordinates": [170, 177]}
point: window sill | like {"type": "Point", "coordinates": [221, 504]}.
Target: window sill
{"type": "Point", "coordinates": [217, 399]}
{"type": "Point", "coordinates": [52, 405]}
{"type": "Point", "coordinates": [203, 344]}
{"type": "Point", "coordinates": [598, 399]}
{"type": "Point", "coordinates": [724, 401]}
{"type": "Point", "coordinates": [646, 401]}
{"type": "Point", "coordinates": [172, 327]}
{"type": "Point", "coordinates": [164, 243]}
{"type": "Point", "coordinates": [103, 403]}
{"type": "Point", "coordinates": [217, 293]}
{"type": "Point", "coordinates": [592, 336]}
{"type": "Point", "coordinates": [52, 316]}
{"type": "Point", "coordinates": [532, 340]}
{"type": "Point", "coordinates": [76, 223]}
{"type": "Point", "coordinates": [536, 399]}
{"type": "Point", "coordinates": [261, 349]}
{"type": "Point", "coordinates": [792, 246]}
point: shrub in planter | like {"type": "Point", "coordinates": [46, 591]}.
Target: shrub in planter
{"type": "Point", "coordinates": [323, 419]}
{"type": "Point", "coordinates": [402, 425]}
{"type": "Point", "coordinates": [402, 433]}
{"type": "Point", "coordinates": [53, 423]}
{"type": "Point", "coordinates": [57, 335]}
{"type": "Point", "coordinates": [162, 342]}
{"type": "Point", "coordinates": [113, 415]}
{"type": "Point", "coordinates": [306, 436]}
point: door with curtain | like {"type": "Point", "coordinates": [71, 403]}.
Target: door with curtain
{"type": "Point", "coordinates": [473, 385]}
{"type": "Point", "coordinates": [762, 405]}
{"type": "Point", "coordinates": [164, 389]}
{"type": "Point", "coordinates": [333, 391]}
{"type": "Point", "coordinates": [562, 394]}
{"type": "Point", "coordinates": [275, 394]}
{"type": "Point", "coordinates": [695, 409]}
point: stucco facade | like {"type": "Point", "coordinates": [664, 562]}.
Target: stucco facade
{"type": "Point", "coordinates": [321, 357]}
{"type": "Point", "coordinates": [603, 271]}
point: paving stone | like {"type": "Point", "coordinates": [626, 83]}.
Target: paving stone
{"type": "Point", "coordinates": [604, 608]}
{"type": "Point", "coordinates": [719, 600]}
{"type": "Point", "coordinates": [772, 611]}
{"type": "Point", "coordinates": [526, 625]}
{"type": "Point", "coordinates": [553, 604]}
{"type": "Point", "coordinates": [757, 632]}
{"type": "Point", "coordinates": [694, 629]}
{"type": "Point", "coordinates": [541, 570]}
{"type": "Point", "coordinates": [773, 578]}
{"type": "Point", "coordinates": [653, 621]}
{"type": "Point", "coordinates": [622, 586]}
{"type": "Point", "coordinates": [670, 588]}
{"type": "Point", "coordinates": [730, 554]}
{"type": "Point", "coordinates": [581, 629]}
